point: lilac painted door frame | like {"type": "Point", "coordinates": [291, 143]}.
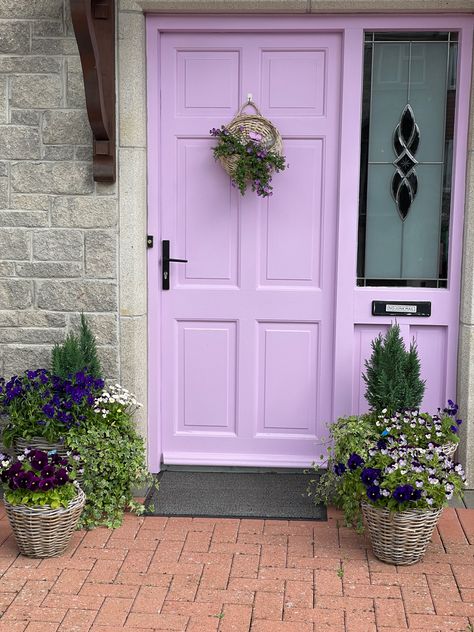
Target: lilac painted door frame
{"type": "Point", "coordinates": [353, 324]}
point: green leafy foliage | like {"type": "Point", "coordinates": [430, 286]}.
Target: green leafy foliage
{"type": "Point", "coordinates": [392, 374]}
{"type": "Point", "coordinates": [346, 435]}
{"type": "Point", "coordinates": [399, 478]}
{"type": "Point", "coordinates": [254, 163]}
{"type": "Point", "coordinates": [113, 458]}
{"type": "Point", "coordinates": [54, 498]}
{"type": "Point", "coordinates": [77, 353]}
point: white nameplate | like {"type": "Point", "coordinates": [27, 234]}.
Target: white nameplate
{"type": "Point", "coordinates": [402, 309]}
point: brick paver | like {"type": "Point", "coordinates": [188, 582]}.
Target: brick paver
{"type": "Point", "coordinates": [217, 575]}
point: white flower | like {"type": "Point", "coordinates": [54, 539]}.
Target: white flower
{"type": "Point", "coordinates": [21, 457]}
{"type": "Point", "coordinates": [384, 410]}
{"type": "Point", "coordinates": [429, 501]}
{"type": "Point", "coordinates": [419, 483]}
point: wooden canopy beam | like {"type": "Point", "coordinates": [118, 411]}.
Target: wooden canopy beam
{"type": "Point", "coordinates": [94, 27]}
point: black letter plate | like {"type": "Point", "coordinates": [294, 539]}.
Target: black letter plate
{"type": "Point", "coordinates": [401, 308]}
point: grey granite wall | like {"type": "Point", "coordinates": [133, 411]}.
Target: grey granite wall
{"type": "Point", "coordinates": [58, 229]}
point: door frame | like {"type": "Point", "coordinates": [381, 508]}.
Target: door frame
{"type": "Point", "coordinates": [352, 30]}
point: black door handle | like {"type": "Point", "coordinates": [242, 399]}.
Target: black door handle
{"type": "Point", "coordinates": [165, 263]}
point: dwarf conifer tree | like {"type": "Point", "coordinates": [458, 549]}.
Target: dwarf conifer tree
{"type": "Point", "coordinates": [76, 353]}
{"type": "Point", "coordinates": [392, 374]}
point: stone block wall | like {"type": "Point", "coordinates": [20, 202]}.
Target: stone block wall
{"type": "Point", "coordinates": [58, 229]}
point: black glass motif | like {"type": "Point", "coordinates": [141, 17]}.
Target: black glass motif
{"type": "Point", "coordinates": [406, 138]}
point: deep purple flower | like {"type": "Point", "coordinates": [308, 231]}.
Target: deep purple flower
{"type": "Point", "coordinates": [403, 493]}
{"type": "Point", "coordinates": [373, 492]}
{"type": "Point", "coordinates": [454, 429]}
{"type": "Point", "coordinates": [369, 475]}
{"type": "Point", "coordinates": [33, 483]}
{"type": "Point", "coordinates": [46, 484]}
{"type": "Point", "coordinates": [62, 477]}
{"type": "Point", "coordinates": [381, 444]}
{"type": "Point", "coordinates": [24, 479]}
{"type": "Point", "coordinates": [49, 410]}
{"type": "Point", "coordinates": [339, 469]}
{"type": "Point", "coordinates": [459, 422]}
{"type": "Point", "coordinates": [416, 494]}
{"type": "Point", "coordinates": [48, 471]}
{"type": "Point", "coordinates": [354, 461]}
{"type": "Point", "coordinates": [38, 459]}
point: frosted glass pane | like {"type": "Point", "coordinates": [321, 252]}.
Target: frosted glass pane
{"type": "Point", "coordinates": [384, 227]}
{"type": "Point", "coordinates": [422, 225]}
{"type": "Point", "coordinates": [389, 97]}
{"type": "Point", "coordinates": [428, 96]}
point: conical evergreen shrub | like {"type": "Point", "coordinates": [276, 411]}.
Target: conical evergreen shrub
{"type": "Point", "coordinates": [76, 353]}
{"type": "Point", "coordinates": [392, 374]}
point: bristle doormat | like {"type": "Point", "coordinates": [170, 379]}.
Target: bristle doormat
{"type": "Point", "coordinates": [274, 495]}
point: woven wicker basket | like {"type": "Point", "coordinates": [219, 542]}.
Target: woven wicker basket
{"type": "Point", "coordinates": [39, 443]}
{"type": "Point", "coordinates": [449, 449]}
{"type": "Point", "coordinates": [42, 531]}
{"type": "Point", "coordinates": [242, 124]}
{"type": "Point", "coordinates": [400, 538]}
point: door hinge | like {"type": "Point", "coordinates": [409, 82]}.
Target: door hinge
{"type": "Point", "coordinates": [149, 241]}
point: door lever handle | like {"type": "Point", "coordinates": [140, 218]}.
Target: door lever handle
{"type": "Point", "coordinates": [165, 264]}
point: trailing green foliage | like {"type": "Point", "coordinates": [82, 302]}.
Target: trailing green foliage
{"type": "Point", "coordinates": [113, 458]}
{"type": "Point", "coordinates": [346, 435]}
{"type": "Point", "coordinates": [54, 498]}
{"type": "Point", "coordinates": [392, 374]}
{"type": "Point", "coordinates": [78, 352]}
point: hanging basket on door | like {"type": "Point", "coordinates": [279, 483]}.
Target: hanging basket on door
{"type": "Point", "coordinates": [250, 149]}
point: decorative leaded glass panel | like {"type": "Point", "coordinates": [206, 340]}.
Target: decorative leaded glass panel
{"type": "Point", "coordinates": [406, 155]}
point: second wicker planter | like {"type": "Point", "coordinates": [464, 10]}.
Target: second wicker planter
{"type": "Point", "coordinates": [42, 531]}
{"type": "Point", "coordinates": [400, 537]}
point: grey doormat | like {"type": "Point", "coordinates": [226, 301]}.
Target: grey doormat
{"type": "Point", "coordinates": [277, 495]}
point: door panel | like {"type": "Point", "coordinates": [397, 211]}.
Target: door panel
{"type": "Point", "coordinates": [247, 325]}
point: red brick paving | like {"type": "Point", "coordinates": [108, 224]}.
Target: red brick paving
{"type": "Point", "coordinates": [216, 575]}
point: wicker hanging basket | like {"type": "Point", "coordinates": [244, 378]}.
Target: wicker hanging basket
{"type": "Point", "coordinates": [42, 531]}
{"type": "Point", "coordinates": [242, 124]}
{"type": "Point", "coordinates": [400, 537]}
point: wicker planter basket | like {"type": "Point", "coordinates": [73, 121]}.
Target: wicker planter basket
{"type": "Point", "coordinates": [39, 443]}
{"type": "Point", "coordinates": [449, 449]}
{"type": "Point", "coordinates": [400, 538]}
{"type": "Point", "coordinates": [42, 531]}
{"type": "Point", "coordinates": [242, 124]}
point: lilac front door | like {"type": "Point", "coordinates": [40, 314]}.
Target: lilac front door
{"type": "Point", "coordinates": [247, 326]}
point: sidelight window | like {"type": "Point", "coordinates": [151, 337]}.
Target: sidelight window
{"type": "Point", "coordinates": [409, 96]}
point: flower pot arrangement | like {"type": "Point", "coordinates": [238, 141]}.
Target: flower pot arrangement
{"type": "Point", "coordinates": [42, 501]}
{"type": "Point", "coordinates": [391, 468]}
{"type": "Point", "coordinates": [68, 411]}
{"type": "Point", "coordinates": [402, 491]}
{"type": "Point", "coordinates": [250, 149]}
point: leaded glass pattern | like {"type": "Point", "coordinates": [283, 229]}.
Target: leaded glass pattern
{"type": "Point", "coordinates": [406, 155]}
